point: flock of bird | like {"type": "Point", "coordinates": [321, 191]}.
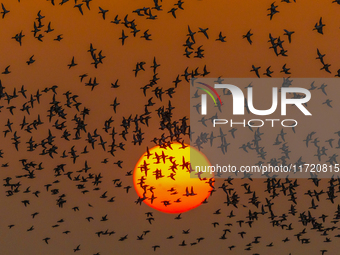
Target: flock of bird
{"type": "Point", "coordinates": [53, 151]}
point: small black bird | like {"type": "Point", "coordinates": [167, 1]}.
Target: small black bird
{"type": "Point", "coordinates": [79, 8]}
{"type": "Point", "coordinates": [172, 11]}
{"type": "Point", "coordinates": [319, 27]}
{"type": "Point", "coordinates": [248, 35]}
{"type": "Point", "coordinates": [285, 69]}
{"type": "Point", "coordinates": [221, 38]}
{"type": "Point", "coordinates": [256, 70]}
{"type": "Point", "coordinates": [204, 31]}
{"type": "Point", "coordinates": [4, 11]}
{"type": "Point", "coordinates": [31, 60]}
{"type": "Point", "coordinates": [123, 37]}
{"type": "Point", "coordinates": [72, 63]}
{"type": "Point", "coordinates": [103, 12]}
{"type": "Point", "coordinates": [268, 72]}
{"type": "Point", "coordinates": [289, 34]}
{"type": "Point", "coordinates": [272, 10]}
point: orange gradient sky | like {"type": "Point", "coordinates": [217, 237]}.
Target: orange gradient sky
{"type": "Point", "coordinates": [234, 58]}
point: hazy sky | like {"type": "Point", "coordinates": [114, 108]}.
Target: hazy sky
{"type": "Point", "coordinates": [231, 59]}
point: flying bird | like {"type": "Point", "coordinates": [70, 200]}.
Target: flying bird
{"type": "Point", "coordinates": [103, 12]}
{"type": "Point", "coordinates": [4, 10]}
{"type": "Point", "coordinates": [248, 36]}
{"type": "Point", "coordinates": [319, 26]}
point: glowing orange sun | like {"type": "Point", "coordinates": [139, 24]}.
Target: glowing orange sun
{"type": "Point", "coordinates": [165, 180]}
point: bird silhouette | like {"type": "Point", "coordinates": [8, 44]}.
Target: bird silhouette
{"type": "Point", "coordinates": [319, 26]}
{"type": "Point", "coordinates": [103, 12]}
{"type": "Point", "coordinates": [4, 10]}
{"type": "Point", "coordinates": [248, 36]}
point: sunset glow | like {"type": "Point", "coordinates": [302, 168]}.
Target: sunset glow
{"type": "Point", "coordinates": [163, 181]}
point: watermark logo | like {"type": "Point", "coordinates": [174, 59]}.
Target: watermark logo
{"type": "Point", "coordinates": [204, 97]}
{"type": "Point", "coordinates": [265, 127]}
{"type": "Point", "coordinates": [239, 99]}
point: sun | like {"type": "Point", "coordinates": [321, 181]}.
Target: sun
{"type": "Point", "coordinates": [165, 180]}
